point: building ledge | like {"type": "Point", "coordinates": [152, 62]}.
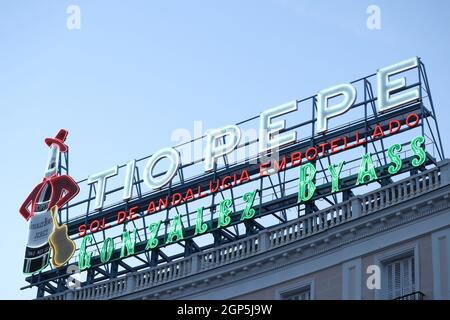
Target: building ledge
{"type": "Point", "coordinates": [383, 210]}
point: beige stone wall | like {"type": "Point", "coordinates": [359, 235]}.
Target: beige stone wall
{"type": "Point", "coordinates": [426, 267]}
{"type": "Point", "coordinates": [328, 282]}
{"type": "Point", "coordinates": [327, 286]}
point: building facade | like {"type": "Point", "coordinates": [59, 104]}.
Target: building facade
{"type": "Point", "coordinates": [391, 243]}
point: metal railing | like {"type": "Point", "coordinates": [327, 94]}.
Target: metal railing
{"type": "Point", "coordinates": [311, 224]}
{"type": "Point", "coordinates": [417, 295]}
{"type": "Point", "coordinates": [399, 192]}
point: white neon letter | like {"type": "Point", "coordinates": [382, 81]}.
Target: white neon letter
{"type": "Point", "coordinates": [325, 112]}
{"type": "Point", "coordinates": [128, 185]}
{"type": "Point", "coordinates": [153, 182]}
{"type": "Point", "coordinates": [101, 178]}
{"type": "Point", "coordinates": [267, 128]}
{"type": "Point", "coordinates": [215, 150]}
{"type": "Point", "coordinates": [387, 86]}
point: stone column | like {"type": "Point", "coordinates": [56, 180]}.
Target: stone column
{"type": "Point", "coordinates": [130, 283]}
{"type": "Point", "coordinates": [264, 240]}
{"type": "Point", "coordinates": [69, 295]}
{"type": "Point", "coordinates": [444, 167]}
{"type": "Point", "coordinates": [195, 263]}
{"type": "Point", "coordinates": [356, 207]}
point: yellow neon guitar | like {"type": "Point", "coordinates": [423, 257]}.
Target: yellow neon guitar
{"type": "Point", "coordinates": [62, 246]}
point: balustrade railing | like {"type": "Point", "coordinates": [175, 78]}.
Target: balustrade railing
{"type": "Point", "coordinates": [297, 229]}
{"type": "Point", "coordinates": [401, 191]}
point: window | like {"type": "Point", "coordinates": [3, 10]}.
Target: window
{"type": "Point", "coordinates": [401, 277]}
{"type": "Point", "coordinates": [301, 294]}
{"type": "Point", "coordinates": [302, 290]}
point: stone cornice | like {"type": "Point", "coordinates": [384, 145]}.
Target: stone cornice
{"type": "Point", "coordinates": [307, 238]}
{"type": "Point", "coordinates": [360, 229]}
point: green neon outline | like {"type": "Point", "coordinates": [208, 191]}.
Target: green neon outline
{"type": "Point", "coordinates": [84, 258]}
{"type": "Point", "coordinates": [176, 230]}
{"type": "Point", "coordinates": [224, 213]}
{"type": "Point", "coordinates": [306, 185]}
{"type": "Point", "coordinates": [416, 146]}
{"type": "Point", "coordinates": [31, 273]}
{"type": "Point", "coordinates": [200, 226]}
{"type": "Point", "coordinates": [249, 198]}
{"type": "Point", "coordinates": [153, 240]}
{"type": "Point", "coordinates": [107, 250]}
{"type": "Point", "coordinates": [393, 154]}
{"type": "Point", "coordinates": [128, 243]}
{"type": "Point", "coordinates": [335, 172]}
{"type": "Point", "coordinates": [366, 169]}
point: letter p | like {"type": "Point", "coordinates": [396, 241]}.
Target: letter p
{"type": "Point", "coordinates": [325, 112]}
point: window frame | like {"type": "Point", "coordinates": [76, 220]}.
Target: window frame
{"type": "Point", "coordinates": [298, 287]}
{"type": "Point", "coordinates": [390, 256]}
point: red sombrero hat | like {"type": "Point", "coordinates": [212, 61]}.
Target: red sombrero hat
{"type": "Point", "coordinates": [59, 140]}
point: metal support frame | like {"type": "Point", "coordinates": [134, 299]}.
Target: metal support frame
{"type": "Point", "coordinates": [271, 187]}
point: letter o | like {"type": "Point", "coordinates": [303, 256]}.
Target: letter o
{"type": "Point", "coordinates": [308, 156]}
{"type": "Point", "coordinates": [107, 250]}
{"type": "Point", "coordinates": [94, 226]}
{"type": "Point", "coordinates": [416, 120]}
{"type": "Point", "coordinates": [174, 158]}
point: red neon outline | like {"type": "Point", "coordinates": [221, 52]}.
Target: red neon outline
{"type": "Point", "coordinates": [64, 188]}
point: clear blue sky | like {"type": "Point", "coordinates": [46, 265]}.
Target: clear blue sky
{"type": "Point", "coordinates": [137, 70]}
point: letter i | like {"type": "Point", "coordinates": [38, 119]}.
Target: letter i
{"type": "Point", "coordinates": [128, 185]}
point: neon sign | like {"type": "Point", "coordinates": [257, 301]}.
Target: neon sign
{"type": "Point", "coordinates": [306, 189]}
{"type": "Point", "coordinates": [270, 138]}
{"type": "Point", "coordinates": [40, 208]}
{"type": "Point", "coordinates": [273, 135]}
